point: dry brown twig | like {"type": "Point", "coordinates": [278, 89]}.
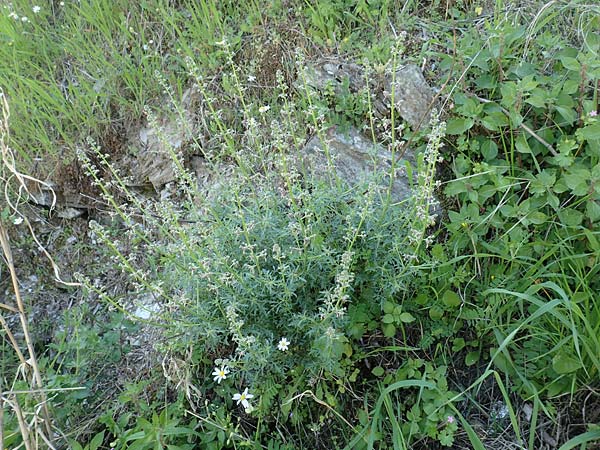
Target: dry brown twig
{"type": "Point", "coordinates": [28, 368]}
{"type": "Point", "coordinates": [8, 162]}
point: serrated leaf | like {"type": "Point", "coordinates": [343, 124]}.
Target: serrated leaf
{"type": "Point", "coordinates": [451, 299]}
{"type": "Point", "coordinates": [563, 363]}
{"type": "Point", "coordinates": [577, 181]}
{"type": "Point", "coordinates": [590, 132]}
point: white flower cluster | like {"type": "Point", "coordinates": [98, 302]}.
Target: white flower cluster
{"type": "Point", "coordinates": [334, 302]}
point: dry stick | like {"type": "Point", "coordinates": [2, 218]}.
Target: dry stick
{"type": "Point", "coordinates": [32, 359]}
{"type": "Point", "coordinates": [13, 341]}
{"type": "Point", "coordinates": [1, 421]}
{"type": "Point", "coordinates": [8, 160]}
{"type": "Point", "coordinates": [21, 420]}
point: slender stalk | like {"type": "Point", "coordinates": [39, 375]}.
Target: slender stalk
{"type": "Point", "coordinates": [32, 361]}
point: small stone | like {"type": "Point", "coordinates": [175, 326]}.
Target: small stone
{"type": "Point", "coordinates": [69, 213]}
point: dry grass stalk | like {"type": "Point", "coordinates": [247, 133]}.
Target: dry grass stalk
{"type": "Point", "coordinates": [30, 364]}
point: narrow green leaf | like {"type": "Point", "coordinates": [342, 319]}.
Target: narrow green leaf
{"type": "Point", "coordinates": [590, 436]}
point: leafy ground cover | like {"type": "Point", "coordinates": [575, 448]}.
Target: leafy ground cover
{"type": "Point", "coordinates": [263, 307]}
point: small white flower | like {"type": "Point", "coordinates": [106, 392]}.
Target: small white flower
{"type": "Point", "coordinates": [243, 398]}
{"type": "Point", "coordinates": [251, 78]}
{"type": "Point", "coordinates": [24, 19]}
{"type": "Point", "coordinates": [264, 109]}
{"type": "Point", "coordinates": [36, 9]}
{"type": "Point", "coordinates": [283, 344]}
{"type": "Point", "coordinates": [62, 3]}
{"type": "Point", "coordinates": [220, 374]}
{"type": "Point", "coordinates": [12, 15]}
{"type": "Point", "coordinates": [18, 220]}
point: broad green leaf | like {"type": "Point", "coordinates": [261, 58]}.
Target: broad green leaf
{"type": "Point", "coordinates": [458, 344]}
{"type": "Point", "coordinates": [489, 149]}
{"type": "Point", "coordinates": [472, 358]}
{"type": "Point", "coordinates": [509, 94]}
{"type": "Point", "coordinates": [568, 114]}
{"type": "Point", "coordinates": [590, 132]}
{"type": "Point", "coordinates": [388, 318]}
{"type": "Point", "coordinates": [388, 307]}
{"type": "Point", "coordinates": [537, 98]}
{"type": "Point", "coordinates": [436, 313]}
{"type": "Point", "coordinates": [389, 329]}
{"type": "Point", "coordinates": [459, 125]}
{"type": "Point", "coordinates": [570, 63]}
{"type": "Point", "coordinates": [456, 187]}
{"type": "Point", "coordinates": [592, 210]}
{"type": "Point", "coordinates": [522, 145]}
{"type": "Point", "coordinates": [378, 371]}
{"type": "Point", "coordinates": [577, 181]}
{"type": "Point", "coordinates": [96, 441]}
{"type": "Point", "coordinates": [516, 119]}
{"type": "Point", "coordinates": [451, 299]}
{"type": "Point", "coordinates": [537, 217]}
{"type": "Point", "coordinates": [494, 121]}
{"type": "Point", "coordinates": [570, 217]}
{"type": "Point", "coordinates": [571, 87]}
{"type": "Point", "coordinates": [563, 363]}
{"type": "Point", "coordinates": [407, 317]}
{"type": "Point", "coordinates": [528, 83]}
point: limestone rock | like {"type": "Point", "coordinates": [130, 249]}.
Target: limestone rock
{"type": "Point", "coordinates": [413, 97]}
{"type": "Point", "coordinates": [154, 161]}
{"type": "Point", "coordinates": [355, 158]}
